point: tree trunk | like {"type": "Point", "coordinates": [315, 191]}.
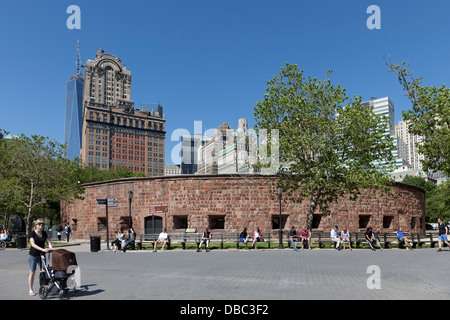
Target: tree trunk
{"type": "Point", "coordinates": [313, 199]}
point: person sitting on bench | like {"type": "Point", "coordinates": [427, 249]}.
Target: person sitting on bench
{"type": "Point", "coordinates": [131, 238]}
{"type": "Point", "coordinates": [305, 236]}
{"type": "Point", "coordinates": [293, 238]}
{"type": "Point", "coordinates": [335, 237]}
{"type": "Point", "coordinates": [206, 238]}
{"type": "Point", "coordinates": [243, 237]}
{"type": "Point", "coordinates": [163, 236]}
{"type": "Point", "coordinates": [256, 237]}
{"type": "Point", "coordinates": [402, 238]}
{"type": "Point", "coordinates": [371, 239]}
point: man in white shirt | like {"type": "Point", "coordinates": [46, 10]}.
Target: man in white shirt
{"type": "Point", "coordinates": [335, 237]}
{"type": "Point", "coordinates": [163, 236]}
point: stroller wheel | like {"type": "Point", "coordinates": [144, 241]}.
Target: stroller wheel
{"type": "Point", "coordinates": [61, 294]}
{"type": "Point", "coordinates": [43, 292]}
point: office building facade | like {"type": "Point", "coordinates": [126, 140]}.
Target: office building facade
{"type": "Point", "coordinates": [189, 147]}
{"type": "Point", "coordinates": [74, 117]}
{"type": "Point", "coordinates": [409, 145]}
{"type": "Point", "coordinates": [384, 106]}
{"type": "Point", "coordinates": [115, 132]}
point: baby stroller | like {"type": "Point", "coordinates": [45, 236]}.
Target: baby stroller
{"type": "Point", "coordinates": [53, 279]}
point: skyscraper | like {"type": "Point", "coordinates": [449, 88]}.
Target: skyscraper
{"type": "Point", "coordinates": [409, 143]}
{"type": "Point", "coordinates": [114, 132]}
{"type": "Point", "coordinates": [74, 113]}
{"type": "Point", "coordinates": [384, 106]}
{"type": "Point", "coordinates": [189, 147]}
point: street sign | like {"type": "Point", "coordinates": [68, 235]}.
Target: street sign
{"type": "Point", "coordinates": [158, 208]}
{"type": "Point", "coordinates": [109, 202]}
{"type": "Point", "coordinates": [113, 203]}
{"type": "Point", "coordinates": [101, 201]}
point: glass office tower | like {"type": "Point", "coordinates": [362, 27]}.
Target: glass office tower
{"type": "Point", "coordinates": [74, 116]}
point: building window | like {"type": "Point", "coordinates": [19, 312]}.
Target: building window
{"type": "Point", "coordinates": [124, 223]}
{"type": "Point", "coordinates": [216, 222]}
{"type": "Point", "coordinates": [276, 221]}
{"type": "Point", "coordinates": [387, 221]}
{"type": "Point", "coordinates": [180, 222]}
{"type": "Point", "coordinates": [101, 223]}
{"type": "Point", "coordinates": [316, 221]}
{"type": "Point", "coordinates": [413, 223]}
{"type": "Point", "coordinates": [364, 220]}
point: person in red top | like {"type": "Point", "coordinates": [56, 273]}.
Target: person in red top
{"type": "Point", "coordinates": [305, 235]}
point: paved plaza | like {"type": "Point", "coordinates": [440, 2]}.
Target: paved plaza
{"type": "Point", "coordinates": [232, 274]}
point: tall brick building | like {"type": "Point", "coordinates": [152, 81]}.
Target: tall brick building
{"type": "Point", "coordinates": [114, 131]}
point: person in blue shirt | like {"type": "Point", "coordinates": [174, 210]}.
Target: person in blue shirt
{"type": "Point", "coordinates": [402, 238]}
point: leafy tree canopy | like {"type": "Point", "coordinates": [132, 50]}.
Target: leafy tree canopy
{"type": "Point", "coordinates": [329, 145]}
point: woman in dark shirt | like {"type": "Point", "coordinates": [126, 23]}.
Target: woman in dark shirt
{"type": "Point", "coordinates": [38, 238]}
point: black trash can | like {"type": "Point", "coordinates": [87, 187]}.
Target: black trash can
{"type": "Point", "coordinates": [21, 242]}
{"type": "Point", "coordinates": [95, 243]}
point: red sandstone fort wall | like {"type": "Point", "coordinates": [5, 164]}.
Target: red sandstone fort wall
{"type": "Point", "coordinates": [228, 203]}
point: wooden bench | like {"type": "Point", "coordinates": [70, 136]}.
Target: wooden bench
{"type": "Point", "coordinates": [189, 236]}
{"type": "Point", "coordinates": [150, 238]}
{"type": "Point", "coordinates": [392, 238]}
{"type": "Point", "coordinates": [426, 238]}
{"type": "Point", "coordinates": [323, 238]}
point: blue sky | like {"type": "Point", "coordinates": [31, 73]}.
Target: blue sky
{"type": "Point", "coordinates": [210, 60]}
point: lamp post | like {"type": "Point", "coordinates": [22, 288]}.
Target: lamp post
{"type": "Point", "coordinates": [130, 198]}
{"type": "Point", "coordinates": [280, 238]}
{"type": "Point", "coordinates": [44, 201]}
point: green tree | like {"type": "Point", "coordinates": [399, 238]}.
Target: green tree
{"type": "Point", "coordinates": [429, 117]}
{"type": "Point", "coordinates": [327, 148]}
{"type": "Point", "coordinates": [426, 185]}
{"type": "Point", "coordinates": [35, 167]}
{"type": "Point", "coordinates": [438, 203]}
{"type": "Point", "coordinates": [40, 169]}
{"type": "Point", "coordinates": [93, 174]}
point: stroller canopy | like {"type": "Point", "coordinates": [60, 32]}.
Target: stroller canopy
{"type": "Point", "coordinates": [62, 259]}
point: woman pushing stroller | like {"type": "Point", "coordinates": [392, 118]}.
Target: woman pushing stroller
{"type": "Point", "coordinates": [38, 239]}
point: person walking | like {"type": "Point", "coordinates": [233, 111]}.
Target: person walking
{"type": "Point", "coordinates": [442, 233]}
{"type": "Point", "coordinates": [68, 231]}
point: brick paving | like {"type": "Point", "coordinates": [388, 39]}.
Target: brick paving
{"type": "Point", "coordinates": [244, 274]}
